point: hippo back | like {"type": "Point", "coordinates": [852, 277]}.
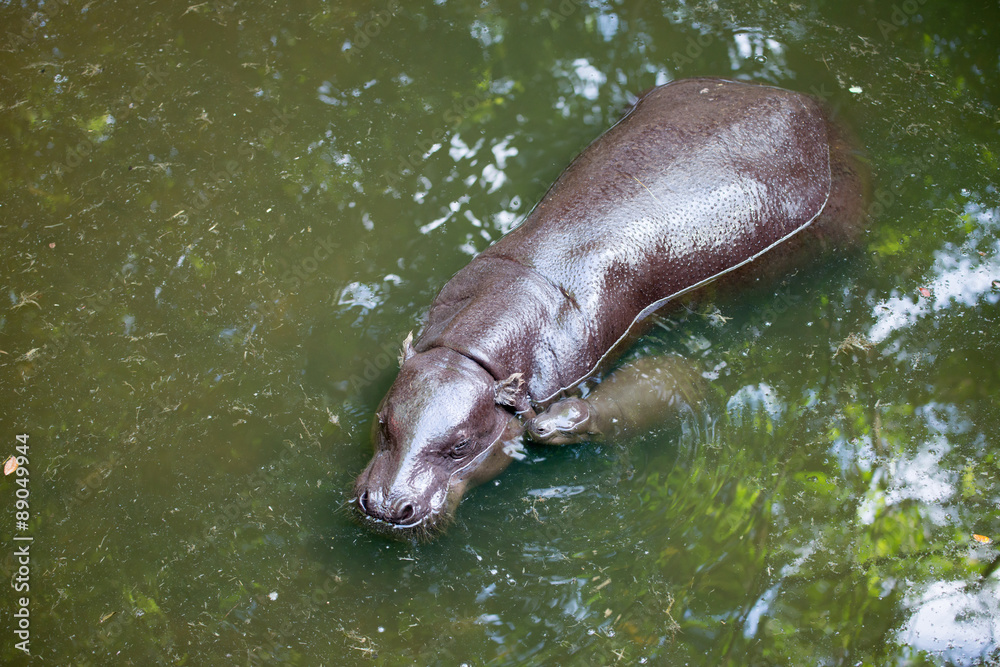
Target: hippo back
{"type": "Point", "coordinates": [701, 177]}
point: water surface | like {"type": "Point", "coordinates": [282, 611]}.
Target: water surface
{"type": "Point", "coordinates": [220, 220]}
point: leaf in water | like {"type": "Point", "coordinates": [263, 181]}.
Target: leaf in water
{"type": "Point", "coordinates": [10, 466]}
{"type": "Point", "coordinates": [982, 539]}
{"type": "Point", "coordinates": [924, 291]}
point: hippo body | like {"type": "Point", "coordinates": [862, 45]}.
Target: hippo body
{"type": "Point", "coordinates": [701, 179]}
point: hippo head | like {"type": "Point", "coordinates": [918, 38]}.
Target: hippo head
{"type": "Point", "coordinates": [445, 426]}
{"type": "Point", "coordinates": [566, 422]}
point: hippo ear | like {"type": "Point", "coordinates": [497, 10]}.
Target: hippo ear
{"type": "Point", "coordinates": [407, 350]}
{"type": "Point", "coordinates": [512, 391]}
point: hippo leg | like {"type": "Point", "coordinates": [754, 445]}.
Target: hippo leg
{"type": "Point", "coordinates": [646, 393]}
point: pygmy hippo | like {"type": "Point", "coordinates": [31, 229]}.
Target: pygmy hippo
{"type": "Point", "coordinates": [701, 179]}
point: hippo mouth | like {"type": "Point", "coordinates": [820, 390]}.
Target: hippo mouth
{"type": "Point", "coordinates": [418, 529]}
{"type": "Point", "coordinates": [411, 523]}
{"type": "Point", "coordinates": [542, 431]}
{"type": "Point", "coordinates": [408, 522]}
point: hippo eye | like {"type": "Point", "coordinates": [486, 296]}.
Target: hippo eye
{"type": "Point", "coordinates": [383, 427]}
{"type": "Point", "coordinates": [460, 450]}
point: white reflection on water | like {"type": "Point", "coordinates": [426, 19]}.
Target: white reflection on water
{"type": "Point", "coordinates": [363, 295]}
{"type": "Point", "coordinates": [958, 279]}
{"type": "Point", "coordinates": [493, 174]}
{"type": "Point", "coordinates": [921, 477]}
{"type": "Point", "coordinates": [588, 80]}
{"type": "Point", "coordinates": [557, 491]}
{"type": "Point", "coordinates": [954, 619]}
{"type": "Point", "coordinates": [755, 45]}
{"type": "Point", "coordinates": [751, 399]}
{"type": "Point", "coordinates": [957, 620]}
{"type": "Point", "coordinates": [763, 604]}
{"type": "Point", "coordinates": [459, 150]}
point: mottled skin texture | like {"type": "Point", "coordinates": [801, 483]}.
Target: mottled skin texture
{"type": "Point", "coordinates": [641, 395]}
{"type": "Point", "coordinates": [702, 179]}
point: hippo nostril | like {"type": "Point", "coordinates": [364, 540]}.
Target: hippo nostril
{"type": "Point", "coordinates": [374, 505]}
{"type": "Point", "coordinates": [406, 513]}
{"type": "Point", "coordinates": [538, 429]}
{"type": "Point", "coordinates": [363, 501]}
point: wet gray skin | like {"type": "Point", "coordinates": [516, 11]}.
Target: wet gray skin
{"type": "Point", "coordinates": [702, 180]}
{"type": "Point", "coordinates": [645, 394]}
{"type": "Point", "coordinates": [450, 434]}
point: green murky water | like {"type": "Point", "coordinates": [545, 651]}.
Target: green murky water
{"type": "Point", "coordinates": [220, 220]}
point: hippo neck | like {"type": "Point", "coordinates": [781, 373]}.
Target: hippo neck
{"type": "Point", "coordinates": [509, 318]}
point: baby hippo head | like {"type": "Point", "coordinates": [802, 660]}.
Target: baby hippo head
{"type": "Point", "coordinates": [566, 422]}
{"type": "Point", "coordinates": [445, 426]}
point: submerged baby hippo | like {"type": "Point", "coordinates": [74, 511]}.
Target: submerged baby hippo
{"type": "Point", "coordinates": [701, 179]}
{"type": "Point", "coordinates": [648, 392]}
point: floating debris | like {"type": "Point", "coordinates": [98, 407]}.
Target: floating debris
{"type": "Point", "coordinates": [854, 342]}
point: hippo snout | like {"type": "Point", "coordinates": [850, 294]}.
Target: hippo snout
{"type": "Point", "coordinates": [398, 505]}
{"type": "Point", "coordinates": [563, 423]}
{"type": "Point", "coordinates": [400, 512]}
